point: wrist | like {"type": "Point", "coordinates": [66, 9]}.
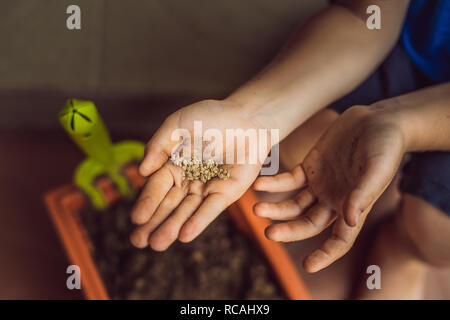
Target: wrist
{"type": "Point", "coordinates": [262, 114]}
{"type": "Point", "coordinates": [398, 115]}
{"type": "Point", "coordinates": [247, 102]}
{"type": "Point", "coordinates": [280, 110]}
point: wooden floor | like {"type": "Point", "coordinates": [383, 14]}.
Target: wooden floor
{"type": "Point", "coordinates": [33, 263]}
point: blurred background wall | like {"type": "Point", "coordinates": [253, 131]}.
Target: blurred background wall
{"type": "Point", "coordinates": [138, 58]}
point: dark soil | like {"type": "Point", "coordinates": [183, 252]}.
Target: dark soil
{"type": "Point", "coordinates": [220, 264]}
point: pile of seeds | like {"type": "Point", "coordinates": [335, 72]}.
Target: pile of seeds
{"type": "Point", "coordinates": [196, 169]}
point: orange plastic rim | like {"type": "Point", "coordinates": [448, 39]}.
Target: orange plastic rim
{"type": "Point", "coordinates": [65, 203]}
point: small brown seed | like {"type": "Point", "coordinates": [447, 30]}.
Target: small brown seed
{"type": "Point", "coordinates": [194, 169]}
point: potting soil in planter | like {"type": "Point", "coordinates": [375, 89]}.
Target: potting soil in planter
{"type": "Point", "coordinates": [220, 264]}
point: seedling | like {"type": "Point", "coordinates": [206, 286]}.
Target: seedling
{"type": "Point", "coordinates": [84, 125]}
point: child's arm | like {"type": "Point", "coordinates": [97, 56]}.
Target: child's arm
{"type": "Point", "coordinates": [351, 166]}
{"type": "Point", "coordinates": [328, 57]}
{"type": "Point", "coordinates": [325, 59]}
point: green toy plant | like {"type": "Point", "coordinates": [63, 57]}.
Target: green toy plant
{"type": "Point", "coordinates": [84, 125]}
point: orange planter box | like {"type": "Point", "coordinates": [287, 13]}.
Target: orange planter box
{"type": "Point", "coordinates": [64, 205]}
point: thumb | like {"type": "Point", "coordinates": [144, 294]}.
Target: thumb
{"type": "Point", "coordinates": [159, 148]}
{"type": "Point", "coordinates": [374, 180]}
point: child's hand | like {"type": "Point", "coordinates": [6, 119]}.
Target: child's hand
{"type": "Point", "coordinates": [348, 169]}
{"type": "Point", "coordinates": [168, 208]}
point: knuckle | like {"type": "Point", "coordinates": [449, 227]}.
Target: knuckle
{"type": "Point", "coordinates": [343, 244]}
{"type": "Point", "coordinates": [310, 221]}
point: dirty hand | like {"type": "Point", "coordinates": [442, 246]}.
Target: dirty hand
{"type": "Point", "coordinates": [345, 173]}
{"type": "Point", "coordinates": [170, 208]}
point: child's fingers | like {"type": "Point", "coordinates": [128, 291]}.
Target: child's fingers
{"type": "Point", "coordinates": [140, 236]}
{"type": "Point", "coordinates": [152, 194]}
{"type": "Point", "coordinates": [374, 180]}
{"type": "Point", "coordinates": [168, 231]}
{"type": "Point", "coordinates": [314, 221]}
{"type": "Point", "coordinates": [338, 244]}
{"type": "Point", "coordinates": [282, 182]}
{"type": "Point", "coordinates": [211, 207]}
{"type": "Point", "coordinates": [287, 209]}
{"type": "Point", "coordinates": [284, 210]}
{"type": "Point", "coordinates": [154, 159]}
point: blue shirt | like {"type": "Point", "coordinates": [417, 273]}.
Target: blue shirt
{"type": "Point", "coordinates": [426, 37]}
